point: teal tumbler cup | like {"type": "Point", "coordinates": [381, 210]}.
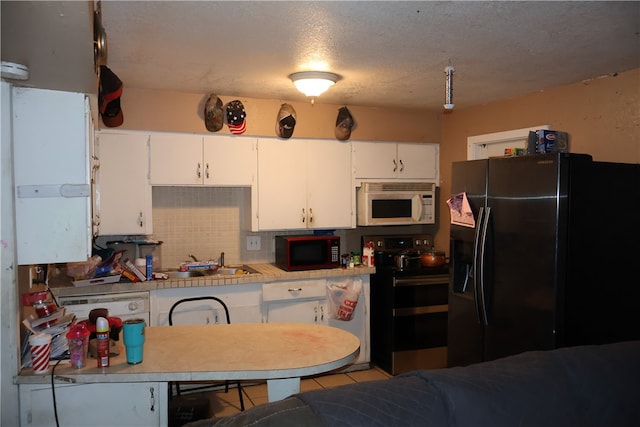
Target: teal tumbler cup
{"type": "Point", "coordinates": [133, 334]}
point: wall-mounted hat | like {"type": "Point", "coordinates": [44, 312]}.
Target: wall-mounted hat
{"type": "Point", "coordinates": [344, 124]}
{"type": "Point", "coordinates": [109, 97]}
{"type": "Point", "coordinates": [213, 114]}
{"type": "Point", "coordinates": [236, 117]}
{"type": "Point", "coordinates": [286, 121]}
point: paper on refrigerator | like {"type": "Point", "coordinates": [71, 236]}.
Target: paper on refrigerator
{"type": "Point", "coordinates": [461, 213]}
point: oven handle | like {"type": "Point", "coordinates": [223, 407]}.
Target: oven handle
{"type": "Point", "coordinates": [416, 311]}
{"type": "Point", "coordinates": [441, 279]}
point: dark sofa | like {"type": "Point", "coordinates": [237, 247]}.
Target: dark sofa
{"type": "Point", "coordinates": [577, 386]}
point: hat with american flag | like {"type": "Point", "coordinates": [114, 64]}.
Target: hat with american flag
{"type": "Point", "coordinates": [236, 117]}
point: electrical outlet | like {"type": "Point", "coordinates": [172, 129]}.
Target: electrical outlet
{"type": "Point", "coordinates": [253, 243]}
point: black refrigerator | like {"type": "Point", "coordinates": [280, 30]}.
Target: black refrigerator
{"type": "Point", "coordinates": [553, 259]}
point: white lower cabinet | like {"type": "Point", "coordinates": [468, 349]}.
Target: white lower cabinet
{"type": "Point", "coordinates": [306, 301]}
{"type": "Point", "coordinates": [303, 301]}
{"type": "Point", "coordinates": [105, 404]}
{"type": "Point", "coordinates": [243, 302]}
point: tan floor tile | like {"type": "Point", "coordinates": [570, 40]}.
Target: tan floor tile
{"type": "Point", "coordinates": [328, 381]}
{"type": "Point", "coordinates": [309, 384]}
{"type": "Point", "coordinates": [368, 375]}
{"type": "Point", "coordinates": [256, 391]}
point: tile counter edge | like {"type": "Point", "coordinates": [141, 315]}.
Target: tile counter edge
{"type": "Point", "coordinates": [265, 273]}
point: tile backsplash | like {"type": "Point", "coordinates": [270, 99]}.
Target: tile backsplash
{"type": "Point", "coordinates": [205, 221]}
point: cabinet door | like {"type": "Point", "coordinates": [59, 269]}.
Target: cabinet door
{"type": "Point", "coordinates": [311, 311]}
{"type": "Point", "coordinates": [329, 189]}
{"type": "Point", "coordinates": [117, 404]}
{"type": "Point", "coordinates": [51, 175]}
{"type": "Point", "coordinates": [176, 159]}
{"type": "Point", "coordinates": [230, 161]}
{"type": "Point", "coordinates": [242, 301]}
{"type": "Point", "coordinates": [123, 189]}
{"type": "Point", "coordinates": [375, 160]}
{"type": "Point", "coordinates": [418, 161]}
{"type": "Point", "coordinates": [282, 184]}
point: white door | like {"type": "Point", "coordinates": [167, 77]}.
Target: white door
{"type": "Point", "coordinates": [52, 176]}
{"type": "Point", "coordinates": [230, 161]}
{"type": "Point", "coordinates": [176, 159]}
{"type": "Point", "coordinates": [282, 184]}
{"type": "Point", "coordinates": [123, 189]}
{"type": "Point", "coordinates": [375, 160]}
{"type": "Point", "coordinates": [329, 189]}
{"type": "Point", "coordinates": [418, 161]}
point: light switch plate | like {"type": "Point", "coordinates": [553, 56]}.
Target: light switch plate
{"type": "Point", "coordinates": [253, 243]}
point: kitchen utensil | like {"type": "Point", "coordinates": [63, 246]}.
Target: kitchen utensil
{"type": "Point", "coordinates": [403, 258]}
{"type": "Point", "coordinates": [432, 258]}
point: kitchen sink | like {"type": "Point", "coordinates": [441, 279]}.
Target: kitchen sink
{"type": "Point", "coordinates": [230, 270]}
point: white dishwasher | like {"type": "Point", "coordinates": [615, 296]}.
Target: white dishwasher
{"type": "Point", "coordinates": [125, 305]}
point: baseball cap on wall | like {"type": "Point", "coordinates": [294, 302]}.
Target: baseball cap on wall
{"type": "Point", "coordinates": [236, 117]}
{"type": "Point", "coordinates": [213, 114]}
{"type": "Point", "coordinates": [286, 121]}
{"type": "Point", "coordinates": [344, 124]}
{"type": "Point", "coordinates": [109, 98]}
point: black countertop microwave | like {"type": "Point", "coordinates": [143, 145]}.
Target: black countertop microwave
{"type": "Point", "coordinates": [308, 252]}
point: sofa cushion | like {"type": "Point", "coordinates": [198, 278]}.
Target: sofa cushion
{"type": "Point", "coordinates": [578, 386]}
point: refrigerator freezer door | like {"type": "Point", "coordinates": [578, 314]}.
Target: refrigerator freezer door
{"type": "Point", "coordinates": [465, 334]}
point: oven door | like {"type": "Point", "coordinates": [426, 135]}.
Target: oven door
{"type": "Point", "coordinates": [420, 312]}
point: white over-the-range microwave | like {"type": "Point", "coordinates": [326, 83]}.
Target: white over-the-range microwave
{"type": "Point", "coordinates": [396, 203]}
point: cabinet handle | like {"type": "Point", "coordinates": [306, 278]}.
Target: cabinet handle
{"type": "Point", "coordinates": [395, 165]}
{"type": "Point", "coordinates": [322, 313]}
{"type": "Point", "coordinates": [140, 220]}
{"type": "Point", "coordinates": [304, 217]}
{"type": "Point", "coordinates": [310, 215]}
{"type": "Point", "coordinates": [198, 171]}
{"type": "Point", "coordinates": [152, 400]}
{"type": "Point", "coordinates": [295, 289]}
{"type": "Point", "coordinates": [401, 166]}
{"type": "Point", "coordinates": [206, 170]}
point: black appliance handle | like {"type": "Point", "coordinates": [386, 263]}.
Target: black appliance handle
{"type": "Point", "coordinates": [483, 247]}
{"type": "Point", "coordinates": [474, 270]}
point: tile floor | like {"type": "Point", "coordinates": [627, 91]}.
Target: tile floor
{"type": "Point", "coordinates": [224, 404]}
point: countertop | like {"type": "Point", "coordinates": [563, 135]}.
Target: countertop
{"type": "Point", "coordinates": [265, 273]}
{"type": "Point", "coordinates": [250, 351]}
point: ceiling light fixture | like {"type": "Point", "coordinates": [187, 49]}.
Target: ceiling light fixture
{"type": "Point", "coordinates": [313, 83]}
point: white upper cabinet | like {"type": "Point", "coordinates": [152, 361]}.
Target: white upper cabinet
{"type": "Point", "coordinates": [304, 184]}
{"type": "Point", "coordinates": [185, 159]}
{"type": "Point", "coordinates": [176, 159]}
{"type": "Point", "coordinates": [390, 160]}
{"type": "Point", "coordinates": [123, 192]}
{"type": "Point", "coordinates": [52, 135]}
{"type": "Point", "coordinates": [230, 160]}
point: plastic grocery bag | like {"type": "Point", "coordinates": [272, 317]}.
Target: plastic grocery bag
{"type": "Point", "coordinates": [343, 297]}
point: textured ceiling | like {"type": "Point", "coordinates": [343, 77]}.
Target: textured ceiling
{"type": "Point", "coordinates": [389, 54]}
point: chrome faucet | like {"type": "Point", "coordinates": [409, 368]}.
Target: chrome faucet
{"type": "Point", "coordinates": [221, 259]}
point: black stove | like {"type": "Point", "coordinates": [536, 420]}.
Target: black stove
{"type": "Point", "coordinates": [387, 247]}
{"type": "Point", "coordinates": [409, 306]}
